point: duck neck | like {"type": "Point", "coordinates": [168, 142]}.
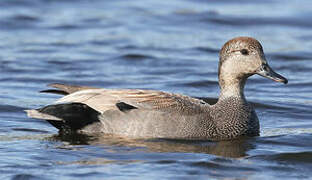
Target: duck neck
{"type": "Point", "coordinates": [232, 88]}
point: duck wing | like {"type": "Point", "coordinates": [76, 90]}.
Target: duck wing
{"type": "Point", "coordinates": [126, 99]}
{"type": "Point", "coordinates": [64, 89]}
{"type": "Point", "coordinates": [83, 105]}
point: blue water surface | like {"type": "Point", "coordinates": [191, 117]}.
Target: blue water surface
{"type": "Point", "coordinates": [164, 45]}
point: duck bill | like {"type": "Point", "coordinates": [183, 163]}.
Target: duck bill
{"type": "Point", "coordinates": [266, 71]}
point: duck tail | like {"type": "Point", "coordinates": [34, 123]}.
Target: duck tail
{"type": "Point", "coordinates": [66, 117]}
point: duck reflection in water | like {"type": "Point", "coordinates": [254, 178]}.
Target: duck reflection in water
{"type": "Point", "coordinates": [233, 148]}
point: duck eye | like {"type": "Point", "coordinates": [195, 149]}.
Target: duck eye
{"type": "Point", "coordinates": [244, 52]}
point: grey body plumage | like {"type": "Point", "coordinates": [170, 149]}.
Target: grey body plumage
{"type": "Point", "coordinates": [157, 114]}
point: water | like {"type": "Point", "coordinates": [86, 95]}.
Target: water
{"type": "Point", "coordinates": [164, 45]}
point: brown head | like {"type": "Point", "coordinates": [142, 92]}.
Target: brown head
{"type": "Point", "coordinates": [242, 57]}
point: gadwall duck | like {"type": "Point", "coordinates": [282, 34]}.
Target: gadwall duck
{"type": "Point", "coordinates": [156, 114]}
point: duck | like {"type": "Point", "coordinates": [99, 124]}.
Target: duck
{"type": "Point", "coordinates": [139, 113]}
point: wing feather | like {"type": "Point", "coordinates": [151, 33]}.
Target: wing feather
{"type": "Point", "coordinates": [106, 99]}
{"type": "Point", "coordinates": [65, 89]}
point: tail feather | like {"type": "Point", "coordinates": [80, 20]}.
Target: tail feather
{"type": "Point", "coordinates": [33, 113]}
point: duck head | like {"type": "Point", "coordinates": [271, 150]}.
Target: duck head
{"type": "Point", "coordinates": [241, 58]}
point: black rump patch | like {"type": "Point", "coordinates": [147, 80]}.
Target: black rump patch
{"type": "Point", "coordinates": [75, 116]}
{"type": "Point", "coordinates": [125, 107]}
